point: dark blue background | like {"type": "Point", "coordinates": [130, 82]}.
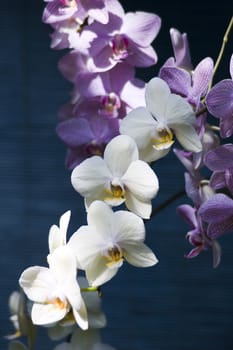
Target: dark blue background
{"type": "Point", "coordinates": [179, 304]}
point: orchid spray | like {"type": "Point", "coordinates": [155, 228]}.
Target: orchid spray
{"type": "Point", "coordinates": [116, 127]}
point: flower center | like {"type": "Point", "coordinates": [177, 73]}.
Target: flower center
{"type": "Point", "coordinates": [163, 139]}
{"type": "Point", "coordinates": [117, 191]}
{"type": "Point", "coordinates": [110, 104]}
{"type": "Point", "coordinates": [119, 45]}
{"type": "Point", "coordinates": [114, 255]}
{"type": "Point", "coordinates": [94, 149]}
{"type": "Point", "coordinates": [68, 3]}
{"type": "Point", "coordinates": [60, 304]}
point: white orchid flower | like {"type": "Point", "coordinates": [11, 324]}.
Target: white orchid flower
{"type": "Point", "coordinates": [118, 177]}
{"type": "Point", "coordinates": [55, 290]}
{"type": "Point", "coordinates": [109, 239]}
{"type": "Point", "coordinates": [153, 126]}
{"type": "Point", "coordinates": [96, 317]}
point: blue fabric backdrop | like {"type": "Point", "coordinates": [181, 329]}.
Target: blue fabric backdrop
{"type": "Point", "coordinates": [178, 304]}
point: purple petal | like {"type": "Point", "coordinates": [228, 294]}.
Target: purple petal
{"type": "Point", "coordinates": [75, 156]}
{"type": "Point", "coordinates": [216, 249]}
{"type": "Point", "coordinates": [229, 179]}
{"type": "Point", "coordinates": [201, 79]}
{"type": "Point", "coordinates": [188, 213]}
{"type": "Point", "coordinates": [141, 27]}
{"type": "Point", "coordinates": [178, 79]}
{"type": "Point", "coordinates": [219, 228]}
{"type": "Point", "coordinates": [194, 252]}
{"type": "Point", "coordinates": [74, 132]}
{"type": "Point", "coordinates": [226, 127]}
{"type": "Point", "coordinates": [220, 99]}
{"type": "Point", "coordinates": [181, 49]}
{"type": "Point", "coordinates": [220, 158]}
{"type": "Point", "coordinates": [217, 180]}
{"type": "Point", "coordinates": [217, 209]}
{"type": "Point", "coordinates": [141, 57]}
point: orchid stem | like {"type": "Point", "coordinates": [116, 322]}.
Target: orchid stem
{"type": "Point", "coordinates": [92, 289]}
{"type": "Point", "coordinates": [224, 42]}
{"type": "Point", "coordinates": [167, 202]}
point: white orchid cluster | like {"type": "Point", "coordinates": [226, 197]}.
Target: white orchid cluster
{"type": "Point", "coordinates": [120, 176]}
{"type": "Point", "coordinates": [98, 248]}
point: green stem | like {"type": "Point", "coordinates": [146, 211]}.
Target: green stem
{"type": "Point", "coordinates": [92, 289]}
{"type": "Point", "coordinates": [224, 42]}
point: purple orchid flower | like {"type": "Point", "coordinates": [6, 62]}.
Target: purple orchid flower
{"type": "Point", "coordinates": [126, 37]}
{"type": "Point", "coordinates": [60, 10]}
{"type": "Point", "coordinates": [197, 236]}
{"type": "Point", "coordinates": [117, 91]}
{"type": "Point", "coordinates": [193, 85]}
{"type": "Point", "coordinates": [219, 102]}
{"type": "Point", "coordinates": [218, 213]}
{"type": "Point", "coordinates": [220, 161]}
{"type": "Point", "coordinates": [86, 135]}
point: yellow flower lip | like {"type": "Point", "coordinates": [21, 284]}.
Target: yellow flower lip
{"type": "Point", "coordinates": [117, 191]}
{"type": "Point", "coordinates": [114, 255]}
{"type": "Point", "coordinates": [163, 140]}
{"type": "Point", "coordinates": [60, 304]}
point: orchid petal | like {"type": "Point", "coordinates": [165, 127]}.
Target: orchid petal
{"type": "Point", "coordinates": [119, 153]}
{"type": "Point", "coordinates": [90, 176]}
{"type": "Point", "coordinates": [141, 180]}
{"type": "Point", "coordinates": [45, 314]}
{"type": "Point", "coordinates": [188, 137]}
{"type": "Point", "coordinates": [139, 255]}
{"type": "Point", "coordinates": [138, 124]}
{"type": "Point", "coordinates": [141, 27]}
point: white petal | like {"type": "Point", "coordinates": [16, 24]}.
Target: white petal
{"type": "Point", "coordinates": [137, 206]}
{"type": "Point", "coordinates": [62, 263]}
{"type": "Point", "coordinates": [119, 153]}
{"type": "Point", "coordinates": [99, 273]}
{"type": "Point", "coordinates": [157, 95]}
{"type": "Point", "coordinates": [179, 111]}
{"type": "Point", "coordinates": [139, 124]}
{"type": "Point", "coordinates": [139, 255]}
{"type": "Point", "coordinates": [100, 216]}
{"type": "Point", "coordinates": [150, 154]}
{"type": "Point", "coordinates": [80, 315]}
{"type": "Point", "coordinates": [37, 282]}
{"type": "Point", "coordinates": [141, 180]}
{"type": "Point", "coordinates": [45, 314]}
{"type": "Point", "coordinates": [85, 243]}
{"type": "Point", "coordinates": [57, 235]}
{"type": "Point", "coordinates": [129, 227]}
{"type": "Point", "coordinates": [89, 177]}
{"type": "Point", "coordinates": [188, 138]}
